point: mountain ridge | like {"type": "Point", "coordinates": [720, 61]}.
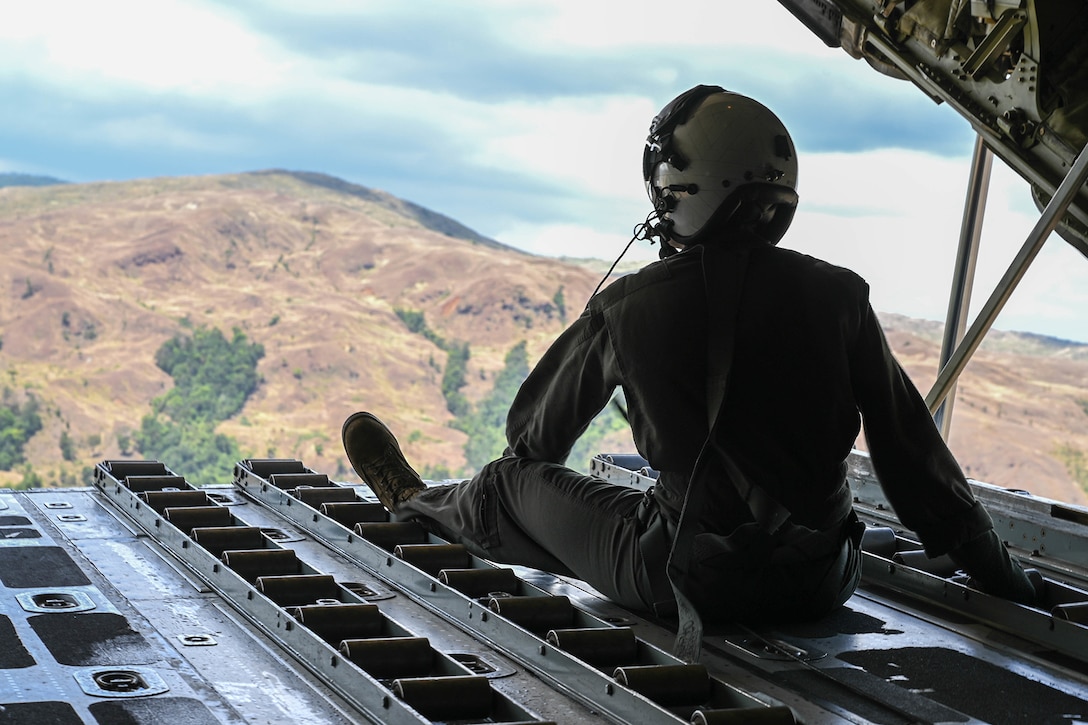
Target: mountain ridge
{"type": "Point", "coordinates": [321, 272]}
{"type": "Point", "coordinates": [14, 178]}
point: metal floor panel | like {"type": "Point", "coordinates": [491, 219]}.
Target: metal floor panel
{"type": "Point", "coordinates": [85, 590]}
{"type": "Point", "coordinates": [198, 663]}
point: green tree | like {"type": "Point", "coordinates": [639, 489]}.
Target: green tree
{"type": "Point", "coordinates": [192, 449]}
{"type": "Point", "coordinates": [561, 304]}
{"type": "Point", "coordinates": [453, 378]}
{"type": "Point", "coordinates": [67, 446]}
{"type": "Point", "coordinates": [417, 324]}
{"type": "Point", "coordinates": [18, 423]}
{"type": "Point", "coordinates": [1076, 463]}
{"type": "Point", "coordinates": [486, 423]}
{"type": "Point", "coordinates": [30, 479]}
{"type": "Point", "coordinates": [213, 377]}
{"type": "Point", "coordinates": [457, 356]}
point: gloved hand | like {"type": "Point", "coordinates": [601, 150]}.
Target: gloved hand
{"type": "Point", "coordinates": [992, 570]}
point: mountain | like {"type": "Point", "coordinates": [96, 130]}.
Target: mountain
{"type": "Point", "coordinates": [98, 276]}
{"type": "Point", "coordinates": [324, 274]}
{"type": "Point", "coordinates": [1020, 417]}
{"type": "Point", "coordinates": [17, 179]}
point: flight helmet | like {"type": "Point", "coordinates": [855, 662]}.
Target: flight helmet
{"type": "Point", "coordinates": [716, 159]}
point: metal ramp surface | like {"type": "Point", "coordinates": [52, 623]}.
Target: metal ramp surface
{"type": "Point", "coordinates": [289, 597]}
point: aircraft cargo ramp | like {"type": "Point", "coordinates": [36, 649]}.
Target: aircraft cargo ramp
{"type": "Point", "coordinates": [288, 597]}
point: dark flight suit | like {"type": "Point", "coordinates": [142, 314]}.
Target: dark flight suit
{"type": "Point", "coordinates": [810, 361]}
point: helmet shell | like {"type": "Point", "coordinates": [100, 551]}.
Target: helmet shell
{"type": "Point", "coordinates": [728, 150]}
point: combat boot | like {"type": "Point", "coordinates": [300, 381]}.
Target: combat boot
{"type": "Point", "coordinates": [376, 456]}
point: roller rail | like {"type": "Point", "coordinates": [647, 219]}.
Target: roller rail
{"type": "Point", "coordinates": [603, 665]}
{"type": "Point", "coordinates": [1050, 539]}
{"type": "Point", "coordinates": [381, 668]}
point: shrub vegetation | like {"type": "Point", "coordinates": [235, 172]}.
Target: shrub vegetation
{"type": "Point", "coordinates": [18, 423]}
{"type": "Point", "coordinates": [213, 377]}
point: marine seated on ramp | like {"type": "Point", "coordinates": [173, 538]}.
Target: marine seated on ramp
{"type": "Point", "coordinates": [747, 370]}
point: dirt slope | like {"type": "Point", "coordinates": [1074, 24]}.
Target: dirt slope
{"type": "Point", "coordinates": [95, 277]}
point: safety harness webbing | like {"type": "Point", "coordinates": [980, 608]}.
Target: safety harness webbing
{"type": "Point", "coordinates": [724, 271]}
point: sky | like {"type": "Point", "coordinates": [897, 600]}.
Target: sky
{"type": "Point", "coordinates": [522, 119]}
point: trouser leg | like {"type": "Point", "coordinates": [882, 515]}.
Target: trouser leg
{"type": "Point", "coordinates": [549, 517]}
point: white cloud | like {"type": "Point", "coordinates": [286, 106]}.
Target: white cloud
{"type": "Point", "coordinates": [893, 216]}
{"type": "Point", "coordinates": [905, 241]}
{"type": "Point", "coordinates": [591, 144]}
{"type": "Point", "coordinates": [155, 130]}
{"type": "Point", "coordinates": [573, 240]}
{"type": "Point", "coordinates": [160, 46]}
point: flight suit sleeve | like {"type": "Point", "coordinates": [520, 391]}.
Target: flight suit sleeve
{"type": "Point", "coordinates": [566, 389]}
{"type": "Point", "coordinates": [919, 475]}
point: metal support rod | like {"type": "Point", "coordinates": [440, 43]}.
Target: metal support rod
{"type": "Point", "coordinates": [1061, 200]}
{"type": "Point", "coordinates": [959, 299]}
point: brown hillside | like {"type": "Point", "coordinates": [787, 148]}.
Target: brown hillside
{"type": "Point", "coordinates": [1021, 408]}
{"type": "Point", "coordinates": [97, 276]}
